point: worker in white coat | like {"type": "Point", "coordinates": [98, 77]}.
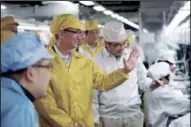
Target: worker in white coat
{"type": "Point", "coordinates": [168, 57]}
{"type": "Point", "coordinates": [164, 102]}
{"type": "Point", "coordinates": [119, 107]}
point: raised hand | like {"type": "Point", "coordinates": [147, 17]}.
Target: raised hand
{"type": "Point", "coordinates": [130, 63]}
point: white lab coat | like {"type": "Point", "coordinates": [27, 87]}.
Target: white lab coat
{"type": "Point", "coordinates": [183, 121]}
{"type": "Point", "coordinates": [124, 100]}
{"type": "Point", "coordinates": [164, 102]}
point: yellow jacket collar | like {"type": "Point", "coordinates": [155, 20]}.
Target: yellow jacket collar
{"type": "Point", "coordinates": [53, 52]}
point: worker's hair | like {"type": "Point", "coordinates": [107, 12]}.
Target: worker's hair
{"type": "Point", "coordinates": [166, 61]}
{"type": "Point", "coordinates": [167, 77]}
{"type": "Point", "coordinates": [10, 72]}
{"type": "Point", "coordinates": [56, 36]}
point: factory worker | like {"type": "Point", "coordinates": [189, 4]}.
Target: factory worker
{"type": "Point", "coordinates": [25, 73]}
{"type": "Point", "coordinates": [5, 35]}
{"type": "Point", "coordinates": [9, 23]}
{"type": "Point", "coordinates": [164, 101]}
{"type": "Point", "coordinates": [93, 44]}
{"type": "Point", "coordinates": [167, 57]}
{"type": "Point", "coordinates": [119, 107]}
{"type": "Point", "coordinates": [69, 100]}
{"type": "Point", "coordinates": [82, 41]}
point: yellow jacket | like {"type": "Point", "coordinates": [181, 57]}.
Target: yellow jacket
{"type": "Point", "coordinates": [95, 51]}
{"type": "Point", "coordinates": [69, 96]}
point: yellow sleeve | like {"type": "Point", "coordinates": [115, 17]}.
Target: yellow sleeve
{"type": "Point", "coordinates": [104, 82]}
{"type": "Point", "coordinates": [47, 108]}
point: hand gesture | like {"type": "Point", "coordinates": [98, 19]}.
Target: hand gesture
{"type": "Point", "coordinates": [130, 63]}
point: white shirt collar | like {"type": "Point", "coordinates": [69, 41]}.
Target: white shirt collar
{"type": "Point", "coordinates": [106, 53]}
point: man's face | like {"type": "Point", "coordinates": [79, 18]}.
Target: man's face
{"type": "Point", "coordinates": [70, 38]}
{"type": "Point", "coordinates": [83, 37]}
{"type": "Point", "coordinates": [92, 36]}
{"type": "Point", "coordinates": [11, 27]}
{"type": "Point", "coordinates": [116, 49]}
{"type": "Point", "coordinates": [41, 75]}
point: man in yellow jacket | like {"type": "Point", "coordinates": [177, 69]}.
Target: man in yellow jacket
{"type": "Point", "coordinates": [8, 23]}
{"type": "Point", "coordinates": [93, 44]}
{"type": "Point", "coordinates": [69, 99]}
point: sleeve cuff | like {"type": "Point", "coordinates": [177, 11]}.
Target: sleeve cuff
{"type": "Point", "coordinates": [123, 74]}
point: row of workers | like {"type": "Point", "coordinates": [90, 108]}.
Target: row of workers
{"type": "Point", "coordinates": [115, 71]}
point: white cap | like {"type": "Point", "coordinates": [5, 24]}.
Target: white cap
{"type": "Point", "coordinates": [159, 70]}
{"type": "Point", "coordinates": [114, 32]}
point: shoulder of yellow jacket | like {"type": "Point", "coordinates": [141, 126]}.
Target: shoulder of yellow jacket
{"type": "Point", "coordinates": [81, 56]}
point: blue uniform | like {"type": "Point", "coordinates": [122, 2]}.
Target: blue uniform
{"type": "Point", "coordinates": [17, 109]}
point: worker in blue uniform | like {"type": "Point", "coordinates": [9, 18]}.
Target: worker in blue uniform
{"type": "Point", "coordinates": [25, 73]}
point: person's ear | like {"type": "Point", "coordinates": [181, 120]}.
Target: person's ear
{"type": "Point", "coordinates": [60, 34]}
{"type": "Point", "coordinates": [30, 74]}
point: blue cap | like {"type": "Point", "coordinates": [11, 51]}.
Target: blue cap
{"type": "Point", "coordinates": [22, 51]}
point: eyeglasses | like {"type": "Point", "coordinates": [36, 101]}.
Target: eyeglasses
{"type": "Point", "coordinates": [125, 45]}
{"type": "Point", "coordinates": [93, 32]}
{"type": "Point", "coordinates": [50, 66]}
{"type": "Point", "coordinates": [73, 31]}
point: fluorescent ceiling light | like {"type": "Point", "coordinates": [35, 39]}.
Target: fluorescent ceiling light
{"type": "Point", "coordinates": [43, 28]}
{"type": "Point", "coordinates": [186, 6]}
{"type": "Point", "coordinates": [126, 21]}
{"type": "Point", "coordinates": [99, 8]}
{"type": "Point", "coordinates": [114, 15]}
{"type": "Point", "coordinates": [131, 24]}
{"type": "Point", "coordinates": [3, 7]}
{"type": "Point", "coordinates": [59, 2]}
{"type": "Point", "coordinates": [107, 12]}
{"type": "Point", "coordinates": [87, 3]}
{"type": "Point", "coordinates": [117, 16]}
{"type": "Point", "coordinates": [121, 18]}
{"type": "Point", "coordinates": [180, 16]}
